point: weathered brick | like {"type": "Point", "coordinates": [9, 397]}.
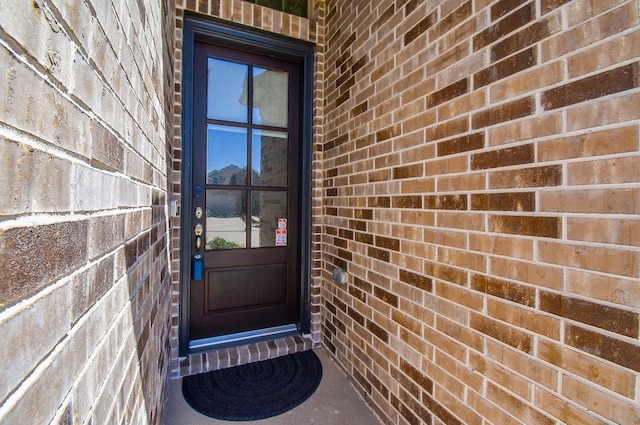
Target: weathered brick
{"type": "Point", "coordinates": [615, 51]}
{"type": "Point", "coordinates": [512, 201]}
{"type": "Point", "coordinates": [500, 331]}
{"type": "Point", "coordinates": [603, 84]}
{"type": "Point", "coordinates": [448, 129]}
{"type": "Point", "coordinates": [507, 112]}
{"type": "Point", "coordinates": [408, 171]}
{"type": "Point", "coordinates": [612, 319]}
{"type": "Point", "coordinates": [380, 254]}
{"type": "Point", "coordinates": [547, 176]}
{"type": "Point", "coordinates": [506, 25]}
{"type": "Point", "coordinates": [406, 201]}
{"type": "Point", "coordinates": [90, 286]}
{"type": "Point", "coordinates": [538, 274]}
{"type": "Point", "coordinates": [594, 370]}
{"type": "Point", "coordinates": [618, 140]}
{"type": "Point", "coordinates": [461, 144]}
{"type": "Point", "coordinates": [565, 411]}
{"type": "Point", "coordinates": [446, 202]}
{"type": "Point", "coordinates": [604, 171]}
{"type": "Point", "coordinates": [26, 258]}
{"type": "Point", "coordinates": [450, 21]}
{"type": "Point", "coordinates": [448, 93]}
{"type": "Point", "coordinates": [378, 331]}
{"type": "Point", "coordinates": [420, 28]}
{"type": "Point", "coordinates": [522, 411]}
{"type": "Point", "coordinates": [504, 68]}
{"type": "Point", "coordinates": [540, 324]}
{"type": "Point", "coordinates": [504, 7]}
{"type": "Point", "coordinates": [514, 247]}
{"type": "Point", "coordinates": [414, 279]}
{"type": "Point", "coordinates": [544, 227]}
{"type": "Point", "coordinates": [106, 150]}
{"type": "Point", "coordinates": [406, 412]}
{"type": "Point", "coordinates": [387, 243]}
{"type": "Point", "coordinates": [549, 5]}
{"type": "Point", "coordinates": [510, 291]}
{"type": "Point", "coordinates": [104, 234]}
{"type": "Point", "coordinates": [525, 38]}
{"type": "Point", "coordinates": [602, 201]}
{"type": "Point", "coordinates": [446, 273]}
{"type": "Point", "coordinates": [604, 230]}
{"type": "Point", "coordinates": [614, 350]}
{"type": "Point", "coordinates": [599, 28]}
{"type": "Point", "coordinates": [28, 338]}
{"type": "Point", "coordinates": [528, 81]}
{"type": "Point", "coordinates": [504, 157]}
{"type": "Point", "coordinates": [622, 262]}
{"type": "Point", "coordinates": [602, 403]}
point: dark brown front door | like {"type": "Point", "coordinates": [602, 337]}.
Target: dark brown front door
{"type": "Point", "coordinates": [245, 204]}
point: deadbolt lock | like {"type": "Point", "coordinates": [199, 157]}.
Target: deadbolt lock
{"type": "Point", "coordinates": [198, 212]}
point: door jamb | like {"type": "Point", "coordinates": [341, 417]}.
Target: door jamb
{"type": "Point", "coordinates": [228, 34]}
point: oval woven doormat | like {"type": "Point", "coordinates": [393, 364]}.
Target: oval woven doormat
{"type": "Point", "coordinates": [254, 391]}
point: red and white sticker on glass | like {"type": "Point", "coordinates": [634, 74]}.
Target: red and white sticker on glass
{"type": "Point", "coordinates": [281, 232]}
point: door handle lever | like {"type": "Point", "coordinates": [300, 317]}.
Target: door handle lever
{"type": "Point", "coordinates": [197, 230]}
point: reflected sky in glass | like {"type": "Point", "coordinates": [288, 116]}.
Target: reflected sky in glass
{"type": "Point", "coordinates": [227, 91]}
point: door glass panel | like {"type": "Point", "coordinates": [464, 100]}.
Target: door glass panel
{"type": "Point", "coordinates": [227, 91]}
{"type": "Point", "coordinates": [269, 151]}
{"type": "Point", "coordinates": [268, 219]}
{"type": "Point", "coordinates": [226, 155]}
{"type": "Point", "coordinates": [226, 226]}
{"type": "Point", "coordinates": [270, 97]}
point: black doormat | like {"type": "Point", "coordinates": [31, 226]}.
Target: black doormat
{"type": "Point", "coordinates": [256, 390]}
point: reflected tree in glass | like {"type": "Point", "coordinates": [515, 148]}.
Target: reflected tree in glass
{"type": "Point", "coordinates": [226, 225]}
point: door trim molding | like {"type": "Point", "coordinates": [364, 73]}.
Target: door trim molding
{"type": "Point", "coordinates": [240, 37]}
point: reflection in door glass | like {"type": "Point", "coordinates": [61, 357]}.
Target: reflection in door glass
{"type": "Point", "coordinates": [226, 225]}
{"type": "Point", "coordinates": [270, 97]}
{"type": "Point", "coordinates": [227, 91]}
{"type": "Point", "coordinates": [295, 7]}
{"type": "Point", "coordinates": [226, 155]}
{"type": "Point", "coordinates": [269, 152]}
{"type": "Point", "coordinates": [268, 219]}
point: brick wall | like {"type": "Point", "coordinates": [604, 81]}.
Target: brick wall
{"type": "Point", "coordinates": [482, 190]}
{"type": "Point", "coordinates": [85, 288]}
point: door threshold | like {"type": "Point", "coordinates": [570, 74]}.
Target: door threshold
{"type": "Point", "coordinates": [242, 338]}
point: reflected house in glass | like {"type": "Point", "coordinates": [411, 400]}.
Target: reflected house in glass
{"type": "Point", "coordinates": [269, 152]}
{"type": "Point", "coordinates": [230, 175]}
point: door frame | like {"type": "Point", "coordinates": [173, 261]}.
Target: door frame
{"type": "Point", "coordinates": [240, 37]}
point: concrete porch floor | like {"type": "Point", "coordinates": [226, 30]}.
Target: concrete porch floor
{"type": "Point", "coordinates": [335, 402]}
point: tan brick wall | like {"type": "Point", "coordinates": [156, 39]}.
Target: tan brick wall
{"type": "Point", "coordinates": [481, 187]}
{"type": "Point", "coordinates": [85, 288]}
